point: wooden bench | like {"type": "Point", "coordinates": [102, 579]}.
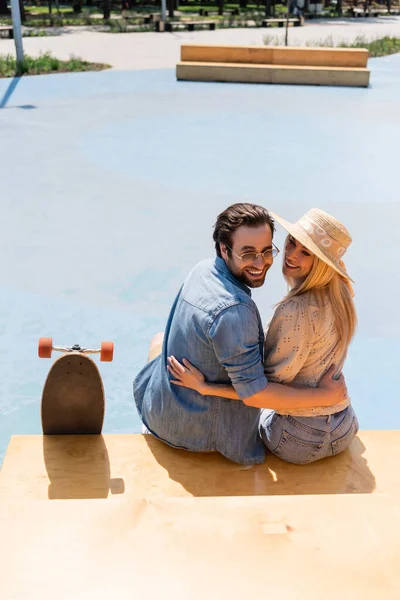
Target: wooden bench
{"type": "Point", "coordinates": [295, 22]}
{"type": "Point", "coordinates": [189, 25]}
{"type": "Point", "coordinates": [214, 13]}
{"type": "Point", "coordinates": [151, 18]}
{"type": "Point", "coordinates": [102, 514]}
{"type": "Point", "coordinates": [7, 30]}
{"type": "Point", "coordinates": [372, 12]}
{"type": "Point", "coordinates": [258, 64]}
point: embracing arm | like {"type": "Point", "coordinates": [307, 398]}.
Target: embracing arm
{"type": "Point", "coordinates": [287, 349]}
{"type": "Point", "coordinates": [275, 395]}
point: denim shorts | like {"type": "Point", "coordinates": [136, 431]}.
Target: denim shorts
{"type": "Point", "coordinates": [302, 440]}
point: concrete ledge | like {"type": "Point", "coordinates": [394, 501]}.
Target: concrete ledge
{"type": "Point", "coordinates": [279, 74]}
{"type": "Point", "coordinates": [271, 55]}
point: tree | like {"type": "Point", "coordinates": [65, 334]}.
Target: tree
{"type": "Point", "coordinates": [22, 10]}
{"type": "Point", "coordinates": [268, 4]}
{"type": "Point", "coordinates": [4, 8]}
{"type": "Point", "coordinates": [77, 6]}
{"type": "Point", "coordinates": [107, 9]}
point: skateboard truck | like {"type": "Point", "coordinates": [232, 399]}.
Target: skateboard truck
{"type": "Point", "coordinates": [46, 348]}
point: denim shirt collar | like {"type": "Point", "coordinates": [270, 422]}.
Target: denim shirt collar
{"type": "Point", "coordinates": [222, 268]}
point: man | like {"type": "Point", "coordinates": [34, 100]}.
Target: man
{"type": "Point", "coordinates": [216, 325]}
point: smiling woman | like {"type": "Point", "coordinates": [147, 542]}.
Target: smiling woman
{"type": "Point", "coordinates": [298, 261]}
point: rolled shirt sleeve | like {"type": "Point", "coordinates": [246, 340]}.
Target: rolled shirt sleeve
{"type": "Point", "coordinates": [237, 340]}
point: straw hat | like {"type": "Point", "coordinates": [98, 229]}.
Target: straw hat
{"type": "Point", "coordinates": [323, 235]}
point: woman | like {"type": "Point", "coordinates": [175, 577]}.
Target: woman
{"type": "Point", "coordinates": [310, 331]}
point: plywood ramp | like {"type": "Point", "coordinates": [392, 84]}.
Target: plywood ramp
{"type": "Point", "coordinates": [123, 516]}
{"type": "Point", "coordinates": [138, 466]}
{"type": "Point", "coordinates": [302, 547]}
{"type": "Point", "coordinates": [328, 57]}
{"type": "Point", "coordinates": [279, 74]}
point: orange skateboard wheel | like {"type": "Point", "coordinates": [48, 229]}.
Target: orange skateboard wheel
{"type": "Point", "coordinates": [45, 347]}
{"type": "Point", "coordinates": [107, 351]}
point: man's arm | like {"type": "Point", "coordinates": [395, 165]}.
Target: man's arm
{"type": "Point", "coordinates": [236, 339]}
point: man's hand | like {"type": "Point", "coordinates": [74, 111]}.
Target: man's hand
{"type": "Point", "coordinates": [334, 390]}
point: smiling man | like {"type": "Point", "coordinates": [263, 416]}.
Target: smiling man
{"type": "Point", "coordinates": [216, 325]}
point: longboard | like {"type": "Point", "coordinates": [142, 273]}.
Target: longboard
{"type": "Point", "coordinates": [73, 394]}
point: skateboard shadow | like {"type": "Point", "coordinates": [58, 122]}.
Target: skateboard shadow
{"type": "Point", "coordinates": [78, 467]}
{"type": "Point", "coordinates": [210, 474]}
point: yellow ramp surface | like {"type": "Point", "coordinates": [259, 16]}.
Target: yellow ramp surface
{"type": "Point", "coordinates": [278, 74]}
{"type": "Point", "coordinates": [126, 516]}
{"type": "Point", "coordinates": [67, 467]}
{"type": "Point", "coordinates": [328, 57]}
{"type": "Point", "coordinates": [303, 547]}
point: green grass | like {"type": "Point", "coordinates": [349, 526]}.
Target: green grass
{"type": "Point", "coordinates": [45, 64]}
{"type": "Point", "coordinates": [39, 33]}
{"type": "Point", "coordinates": [376, 47]}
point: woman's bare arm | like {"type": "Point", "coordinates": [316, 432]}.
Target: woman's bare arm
{"type": "Point", "coordinates": [275, 395]}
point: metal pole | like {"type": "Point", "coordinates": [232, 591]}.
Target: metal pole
{"type": "Point", "coordinates": [287, 23]}
{"type": "Point", "coordinates": [163, 11]}
{"type": "Point", "coordinates": [16, 19]}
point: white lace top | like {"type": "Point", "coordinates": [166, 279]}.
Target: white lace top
{"type": "Point", "coordinates": [300, 345]}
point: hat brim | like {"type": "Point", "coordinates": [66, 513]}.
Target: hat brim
{"type": "Point", "coordinates": [300, 234]}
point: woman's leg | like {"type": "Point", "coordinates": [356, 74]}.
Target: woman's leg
{"type": "Point", "coordinates": [344, 429]}
{"type": "Point", "coordinates": [293, 441]}
{"type": "Point", "coordinates": [307, 439]}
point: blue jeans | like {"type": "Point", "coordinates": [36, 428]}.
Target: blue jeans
{"type": "Point", "coordinates": [302, 440]}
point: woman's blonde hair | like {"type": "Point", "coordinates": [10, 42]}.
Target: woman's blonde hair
{"type": "Point", "coordinates": [327, 286]}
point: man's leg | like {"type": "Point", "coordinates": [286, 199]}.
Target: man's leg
{"type": "Point", "coordinates": [155, 346]}
{"type": "Point", "coordinates": [154, 350]}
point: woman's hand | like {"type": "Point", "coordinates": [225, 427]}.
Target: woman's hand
{"type": "Point", "coordinates": [186, 375]}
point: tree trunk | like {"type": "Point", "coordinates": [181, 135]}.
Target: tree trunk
{"type": "Point", "coordinates": [221, 7]}
{"type": "Point", "coordinates": [106, 9]}
{"type": "Point", "coordinates": [77, 6]}
{"type": "Point", "coordinates": [22, 10]}
{"type": "Point", "coordinates": [4, 8]}
{"type": "Point", "coordinates": [171, 6]}
{"type": "Point", "coordinates": [268, 4]}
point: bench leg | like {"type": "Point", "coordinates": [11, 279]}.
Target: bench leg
{"type": "Point", "coordinates": [212, 26]}
{"type": "Point", "coordinates": [11, 34]}
{"type": "Point", "coordinates": [190, 27]}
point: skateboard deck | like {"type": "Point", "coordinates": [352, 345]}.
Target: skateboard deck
{"type": "Point", "coordinates": [73, 395]}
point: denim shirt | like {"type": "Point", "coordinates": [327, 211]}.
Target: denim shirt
{"type": "Point", "coordinates": [215, 324]}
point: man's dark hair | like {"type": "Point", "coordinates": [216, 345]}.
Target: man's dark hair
{"type": "Point", "coordinates": [234, 217]}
